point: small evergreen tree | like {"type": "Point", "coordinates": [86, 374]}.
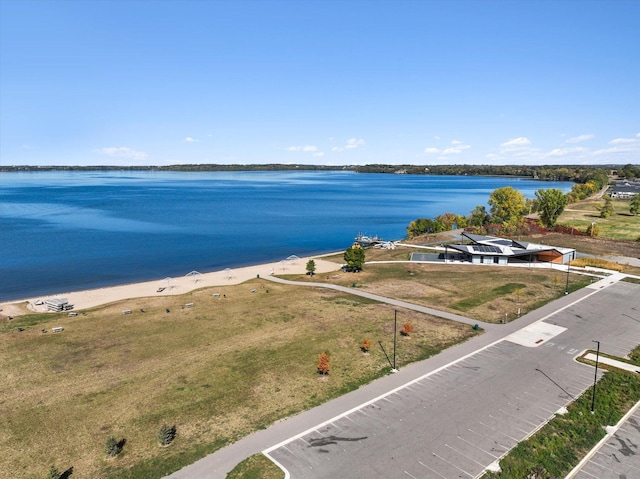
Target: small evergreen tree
{"type": "Point", "coordinates": [112, 447]}
{"type": "Point", "coordinates": [166, 435]}
{"type": "Point", "coordinates": [311, 267]}
{"type": "Point", "coordinates": [607, 208]}
{"type": "Point", "coordinates": [354, 257]}
{"type": "Point", "coordinates": [324, 364]}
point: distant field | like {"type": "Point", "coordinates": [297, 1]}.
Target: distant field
{"type": "Point", "coordinates": [621, 225]}
{"type": "Point", "coordinates": [218, 371]}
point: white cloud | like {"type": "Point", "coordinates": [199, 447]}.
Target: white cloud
{"type": "Point", "coordinates": [456, 147]}
{"type": "Point", "coordinates": [454, 150]}
{"type": "Point", "coordinates": [516, 143]}
{"type": "Point", "coordinates": [567, 151]}
{"type": "Point", "coordinates": [319, 154]}
{"type": "Point", "coordinates": [122, 152]}
{"type": "Point", "coordinates": [622, 141]}
{"type": "Point", "coordinates": [354, 143]}
{"type": "Point", "coordinates": [309, 148]}
{"type": "Point", "coordinates": [350, 144]}
{"type": "Point", "coordinates": [189, 139]}
{"type": "Point", "coordinates": [622, 146]}
{"type": "Point", "coordinates": [579, 138]}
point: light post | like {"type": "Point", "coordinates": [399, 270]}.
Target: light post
{"type": "Point", "coordinates": [395, 327]}
{"type": "Point", "coordinates": [566, 288]}
{"type": "Point", "coordinates": [595, 377]}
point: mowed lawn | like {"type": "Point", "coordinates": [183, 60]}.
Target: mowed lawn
{"type": "Point", "coordinates": [620, 225]}
{"type": "Point", "coordinates": [484, 292]}
{"type": "Point", "coordinates": [219, 370]}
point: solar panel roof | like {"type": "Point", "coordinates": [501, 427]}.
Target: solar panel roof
{"type": "Point", "coordinates": [480, 248]}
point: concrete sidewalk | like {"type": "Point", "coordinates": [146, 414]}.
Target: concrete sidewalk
{"type": "Point", "coordinates": [613, 362]}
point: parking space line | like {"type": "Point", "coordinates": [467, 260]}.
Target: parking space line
{"type": "Point", "coordinates": [498, 431]}
{"type": "Point", "coordinates": [435, 472]}
{"type": "Point", "coordinates": [465, 455]}
{"type": "Point", "coordinates": [478, 448]}
{"type": "Point", "coordinates": [532, 411]}
{"type": "Point", "coordinates": [453, 465]}
{"type": "Point", "coordinates": [516, 417]}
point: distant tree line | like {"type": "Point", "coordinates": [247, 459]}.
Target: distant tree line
{"type": "Point", "coordinates": [575, 173]}
{"type": "Point", "coordinates": [508, 208]}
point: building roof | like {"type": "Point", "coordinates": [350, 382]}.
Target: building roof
{"type": "Point", "coordinates": [494, 246]}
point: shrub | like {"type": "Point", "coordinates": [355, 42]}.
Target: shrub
{"type": "Point", "coordinates": [593, 230]}
{"type": "Point", "coordinates": [53, 473]}
{"type": "Point", "coordinates": [324, 364]}
{"type": "Point", "coordinates": [112, 447]}
{"type": "Point", "coordinates": [366, 345]}
{"type": "Point", "coordinates": [407, 329]}
{"type": "Point", "coordinates": [166, 435]}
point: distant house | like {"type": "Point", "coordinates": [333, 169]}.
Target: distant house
{"type": "Point", "coordinates": [502, 251]}
{"type": "Point", "coordinates": [625, 189]}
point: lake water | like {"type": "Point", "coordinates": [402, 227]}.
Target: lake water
{"type": "Point", "coordinates": [66, 231]}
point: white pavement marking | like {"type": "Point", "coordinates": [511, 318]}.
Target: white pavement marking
{"type": "Point", "coordinates": [478, 448]}
{"type": "Point", "coordinates": [423, 464]}
{"type": "Point", "coordinates": [451, 464]}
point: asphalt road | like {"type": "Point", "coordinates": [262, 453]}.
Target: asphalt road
{"type": "Point", "coordinates": [458, 412]}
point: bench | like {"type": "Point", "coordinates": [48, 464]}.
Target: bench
{"type": "Point", "coordinates": [127, 311]}
{"type": "Point", "coordinates": [57, 329]}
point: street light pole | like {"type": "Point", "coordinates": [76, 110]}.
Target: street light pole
{"type": "Point", "coordinates": [595, 377]}
{"type": "Point", "coordinates": [395, 327]}
{"type": "Point", "coordinates": [566, 288]}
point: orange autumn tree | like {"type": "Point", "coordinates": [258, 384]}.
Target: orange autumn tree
{"type": "Point", "coordinates": [366, 345]}
{"type": "Point", "coordinates": [323, 364]}
{"type": "Point", "coordinates": [407, 329]}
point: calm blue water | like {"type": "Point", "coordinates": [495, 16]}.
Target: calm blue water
{"type": "Point", "coordinates": [66, 231]}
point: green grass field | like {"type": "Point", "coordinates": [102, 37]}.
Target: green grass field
{"type": "Point", "coordinates": [621, 225]}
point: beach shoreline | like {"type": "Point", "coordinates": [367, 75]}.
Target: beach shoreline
{"type": "Point", "coordinates": [173, 286]}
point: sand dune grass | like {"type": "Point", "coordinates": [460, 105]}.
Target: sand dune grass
{"type": "Point", "coordinates": [218, 370]}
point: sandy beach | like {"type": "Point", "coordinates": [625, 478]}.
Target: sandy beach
{"type": "Point", "coordinates": [167, 286]}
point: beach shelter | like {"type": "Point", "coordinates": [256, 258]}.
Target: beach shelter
{"type": "Point", "coordinates": [169, 281]}
{"type": "Point", "coordinates": [196, 275]}
{"type": "Point", "coordinates": [227, 272]}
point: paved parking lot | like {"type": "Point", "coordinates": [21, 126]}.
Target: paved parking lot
{"type": "Point", "coordinates": [456, 422]}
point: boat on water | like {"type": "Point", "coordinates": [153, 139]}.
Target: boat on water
{"type": "Point", "coordinates": [365, 240]}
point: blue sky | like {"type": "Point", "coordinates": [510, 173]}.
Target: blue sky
{"type": "Point", "coordinates": [126, 82]}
